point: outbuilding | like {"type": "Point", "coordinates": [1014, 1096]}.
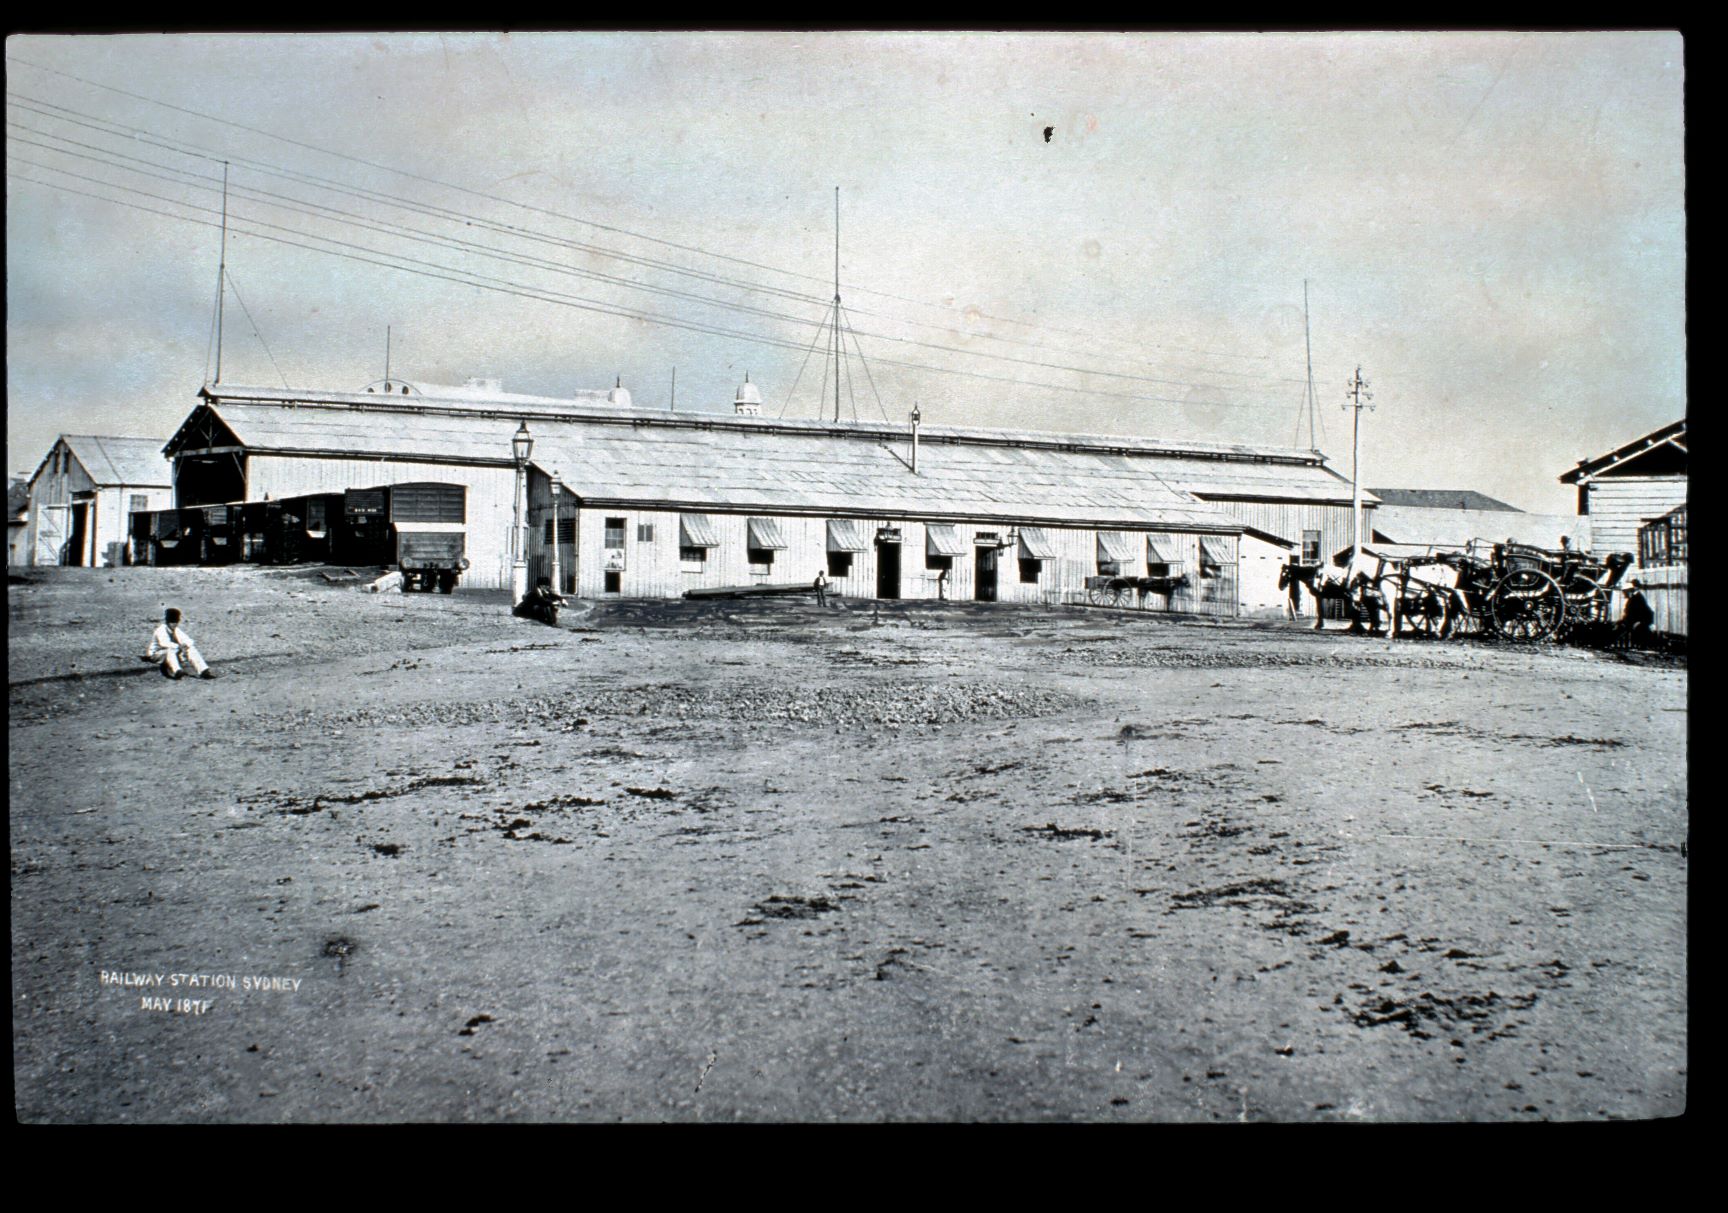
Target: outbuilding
{"type": "Point", "coordinates": [83, 492]}
{"type": "Point", "coordinates": [1631, 485]}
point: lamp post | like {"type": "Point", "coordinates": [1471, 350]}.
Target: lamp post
{"type": "Point", "coordinates": [521, 447]}
{"type": "Point", "coordinates": [557, 540]}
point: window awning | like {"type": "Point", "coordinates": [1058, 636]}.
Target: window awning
{"type": "Point", "coordinates": [847, 535]}
{"type": "Point", "coordinates": [765, 533]}
{"type": "Point", "coordinates": [1214, 551]}
{"type": "Point", "coordinates": [943, 541]}
{"type": "Point", "coordinates": [1117, 546]}
{"type": "Point", "coordinates": [1156, 554]}
{"type": "Point", "coordinates": [696, 531]}
{"type": "Point", "coordinates": [1036, 544]}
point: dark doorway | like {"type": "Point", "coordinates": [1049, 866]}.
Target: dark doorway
{"type": "Point", "coordinates": [80, 533]}
{"type": "Point", "coordinates": [984, 574]}
{"type": "Point", "coordinates": [887, 570]}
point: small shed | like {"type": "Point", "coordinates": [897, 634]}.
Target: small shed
{"type": "Point", "coordinates": [82, 494]}
{"type": "Point", "coordinates": [1631, 485]}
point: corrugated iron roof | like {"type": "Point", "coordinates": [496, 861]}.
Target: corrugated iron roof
{"type": "Point", "coordinates": [739, 468]}
{"type": "Point", "coordinates": [1221, 470]}
{"type": "Point", "coordinates": [1407, 525]}
{"type": "Point", "coordinates": [1443, 499]}
{"type": "Point", "coordinates": [121, 461]}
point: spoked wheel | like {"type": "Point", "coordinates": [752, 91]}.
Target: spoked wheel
{"type": "Point", "coordinates": [1121, 595]}
{"type": "Point", "coordinates": [1099, 595]}
{"type": "Point", "coordinates": [1427, 614]}
{"type": "Point", "coordinates": [1527, 605]}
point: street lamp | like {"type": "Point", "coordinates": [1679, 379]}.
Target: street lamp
{"type": "Point", "coordinates": [557, 540]}
{"type": "Point", "coordinates": [521, 447]}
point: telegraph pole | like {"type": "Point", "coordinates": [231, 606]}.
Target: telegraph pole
{"type": "Point", "coordinates": [1359, 397]}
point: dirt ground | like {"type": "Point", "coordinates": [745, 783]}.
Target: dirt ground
{"type": "Point", "coordinates": [761, 861]}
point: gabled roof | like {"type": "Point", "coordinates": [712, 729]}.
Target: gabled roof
{"type": "Point", "coordinates": [110, 461]}
{"type": "Point", "coordinates": [1216, 471]}
{"type": "Point", "coordinates": [1420, 526]}
{"type": "Point", "coordinates": [1442, 499]}
{"type": "Point", "coordinates": [707, 463]}
{"type": "Point", "coordinates": [1668, 439]}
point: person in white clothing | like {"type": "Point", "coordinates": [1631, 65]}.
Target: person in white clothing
{"type": "Point", "coordinates": [170, 648]}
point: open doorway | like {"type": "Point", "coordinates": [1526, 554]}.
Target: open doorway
{"type": "Point", "coordinates": [887, 570]}
{"type": "Point", "coordinates": [80, 533]}
{"type": "Point", "coordinates": [984, 574]}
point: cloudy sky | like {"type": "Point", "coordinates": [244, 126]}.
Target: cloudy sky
{"type": "Point", "coordinates": [1094, 233]}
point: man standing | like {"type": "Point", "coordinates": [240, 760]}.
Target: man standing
{"type": "Point", "coordinates": [1637, 618]}
{"type": "Point", "coordinates": [170, 647]}
{"type": "Point", "coordinates": [821, 588]}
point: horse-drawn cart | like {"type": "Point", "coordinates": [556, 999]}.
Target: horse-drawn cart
{"type": "Point", "coordinates": [1131, 593]}
{"type": "Point", "coordinates": [1516, 592]}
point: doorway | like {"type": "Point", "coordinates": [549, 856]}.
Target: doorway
{"type": "Point", "coordinates": [984, 574]}
{"type": "Point", "coordinates": [80, 533]}
{"type": "Point", "coordinates": [887, 570]}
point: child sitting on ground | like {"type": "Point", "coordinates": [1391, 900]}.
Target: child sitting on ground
{"type": "Point", "coordinates": [170, 647]}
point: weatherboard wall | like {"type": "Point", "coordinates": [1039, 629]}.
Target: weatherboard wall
{"type": "Point", "coordinates": [1619, 505]}
{"type": "Point", "coordinates": [649, 564]}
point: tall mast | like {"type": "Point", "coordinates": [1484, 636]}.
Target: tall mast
{"type": "Point", "coordinates": [387, 354]}
{"type": "Point", "coordinates": [222, 273]}
{"type": "Point", "coordinates": [839, 352]}
{"type": "Point", "coordinates": [1308, 345]}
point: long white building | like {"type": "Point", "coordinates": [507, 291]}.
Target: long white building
{"type": "Point", "coordinates": [654, 503]}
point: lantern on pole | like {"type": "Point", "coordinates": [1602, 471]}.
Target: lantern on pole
{"type": "Point", "coordinates": [557, 539]}
{"type": "Point", "coordinates": [521, 449]}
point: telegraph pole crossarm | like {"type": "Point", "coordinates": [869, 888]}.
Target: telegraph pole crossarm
{"type": "Point", "coordinates": [1357, 390]}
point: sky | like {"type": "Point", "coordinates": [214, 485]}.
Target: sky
{"type": "Point", "coordinates": [1093, 233]}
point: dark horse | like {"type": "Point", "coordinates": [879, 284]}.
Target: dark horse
{"type": "Point", "coordinates": [1353, 584]}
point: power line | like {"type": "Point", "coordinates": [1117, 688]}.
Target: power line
{"type": "Point", "coordinates": [401, 231]}
{"type": "Point", "coordinates": [511, 287]}
{"type": "Point", "coordinates": [555, 214]}
{"type": "Point", "coordinates": [632, 284]}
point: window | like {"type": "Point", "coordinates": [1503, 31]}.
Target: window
{"type": "Point", "coordinates": [839, 564]}
{"type": "Point", "coordinates": [1030, 570]}
{"type": "Point", "coordinates": [938, 562]}
{"type": "Point", "coordinates": [644, 532]}
{"type": "Point", "coordinates": [614, 532]}
{"type": "Point", "coordinates": [761, 559]}
{"type": "Point", "coordinates": [1310, 547]}
{"type": "Point", "coordinates": [1109, 568]}
{"type": "Point", "coordinates": [140, 503]}
{"type": "Point", "coordinates": [614, 583]}
{"type": "Point", "coordinates": [693, 559]}
{"type": "Point", "coordinates": [566, 530]}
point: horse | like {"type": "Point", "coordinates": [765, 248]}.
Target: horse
{"type": "Point", "coordinates": [1355, 582]}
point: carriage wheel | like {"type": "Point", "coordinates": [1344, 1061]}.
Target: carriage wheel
{"type": "Point", "coordinates": [1098, 595]}
{"type": "Point", "coordinates": [1428, 615]}
{"type": "Point", "coordinates": [1121, 596]}
{"type": "Point", "coordinates": [1527, 605]}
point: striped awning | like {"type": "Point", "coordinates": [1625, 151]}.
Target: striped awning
{"type": "Point", "coordinates": [1117, 546]}
{"type": "Point", "coordinates": [943, 541]}
{"type": "Point", "coordinates": [1036, 544]}
{"type": "Point", "coordinates": [1213, 550]}
{"type": "Point", "coordinates": [1159, 548]}
{"type": "Point", "coordinates": [847, 535]}
{"type": "Point", "coordinates": [765, 533]}
{"type": "Point", "coordinates": [697, 531]}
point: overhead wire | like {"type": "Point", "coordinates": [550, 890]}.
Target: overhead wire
{"type": "Point", "coordinates": [511, 287]}
{"type": "Point", "coordinates": [577, 219]}
{"type": "Point", "coordinates": [299, 205]}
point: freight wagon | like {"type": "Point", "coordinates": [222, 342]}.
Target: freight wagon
{"type": "Point", "coordinates": [418, 528]}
